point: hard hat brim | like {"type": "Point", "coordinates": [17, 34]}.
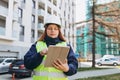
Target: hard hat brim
{"type": "Point", "coordinates": [46, 25]}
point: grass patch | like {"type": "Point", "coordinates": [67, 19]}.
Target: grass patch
{"type": "Point", "coordinates": [89, 68]}
{"type": "Point", "coordinates": [106, 77]}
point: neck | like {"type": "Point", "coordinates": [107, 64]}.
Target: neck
{"type": "Point", "coordinates": [51, 41]}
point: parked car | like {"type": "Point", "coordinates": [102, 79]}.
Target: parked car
{"type": "Point", "coordinates": [108, 56]}
{"type": "Point", "coordinates": [17, 67]}
{"type": "Point", "coordinates": [108, 61]}
{"type": "Point", "coordinates": [5, 63]}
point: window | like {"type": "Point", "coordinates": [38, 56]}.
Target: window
{"type": "Point", "coordinates": [23, 1]}
{"type": "Point", "coordinates": [2, 27]}
{"type": "Point", "coordinates": [50, 0]}
{"type": "Point", "coordinates": [20, 12]}
{"type": "Point", "coordinates": [49, 10]}
{"type": "Point", "coordinates": [64, 13]}
{"type": "Point", "coordinates": [39, 34]}
{"type": "Point", "coordinates": [9, 61]}
{"type": "Point", "coordinates": [41, 6]}
{"type": "Point", "coordinates": [21, 30]}
{"type": "Point", "coordinates": [55, 13]}
{"type": "Point", "coordinates": [40, 20]}
{"type": "Point", "coordinates": [55, 2]}
{"type": "Point", "coordinates": [33, 18]}
{"type": "Point", "coordinates": [107, 60]}
{"type": "Point", "coordinates": [4, 3]}
{"type": "Point", "coordinates": [33, 3]}
{"type": "Point", "coordinates": [32, 32]}
{"type": "Point", "coordinates": [32, 35]}
{"type": "Point", "coordinates": [21, 37]}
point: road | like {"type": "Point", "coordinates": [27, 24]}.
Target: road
{"type": "Point", "coordinates": [85, 74]}
{"type": "Point", "coordinates": [9, 77]}
{"type": "Point", "coordinates": [76, 76]}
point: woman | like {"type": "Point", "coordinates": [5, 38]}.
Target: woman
{"type": "Point", "coordinates": [34, 58]}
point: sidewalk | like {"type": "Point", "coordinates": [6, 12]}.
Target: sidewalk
{"type": "Point", "coordinates": [94, 73]}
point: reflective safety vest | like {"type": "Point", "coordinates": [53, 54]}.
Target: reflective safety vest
{"type": "Point", "coordinates": [47, 73]}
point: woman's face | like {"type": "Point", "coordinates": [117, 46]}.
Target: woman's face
{"type": "Point", "coordinates": [52, 31]}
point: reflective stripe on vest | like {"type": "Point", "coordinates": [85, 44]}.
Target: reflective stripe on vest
{"type": "Point", "coordinates": [47, 73]}
{"type": "Point", "coordinates": [50, 74]}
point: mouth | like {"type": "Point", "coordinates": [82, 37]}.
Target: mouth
{"type": "Point", "coordinates": [52, 34]}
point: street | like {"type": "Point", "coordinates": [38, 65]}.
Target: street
{"type": "Point", "coordinates": [9, 77]}
{"type": "Point", "coordinates": [82, 64]}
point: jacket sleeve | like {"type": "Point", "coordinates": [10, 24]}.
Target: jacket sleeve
{"type": "Point", "coordinates": [32, 59]}
{"type": "Point", "coordinates": [72, 63]}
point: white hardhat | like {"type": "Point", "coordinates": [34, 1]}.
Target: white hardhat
{"type": "Point", "coordinates": [53, 19]}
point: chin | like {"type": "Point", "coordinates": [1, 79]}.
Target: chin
{"type": "Point", "coordinates": [53, 37]}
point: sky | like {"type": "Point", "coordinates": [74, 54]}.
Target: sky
{"type": "Point", "coordinates": [80, 10]}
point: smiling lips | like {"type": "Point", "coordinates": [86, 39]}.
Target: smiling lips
{"type": "Point", "coordinates": [52, 34]}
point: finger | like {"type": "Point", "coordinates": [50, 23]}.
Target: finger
{"type": "Point", "coordinates": [57, 65]}
{"type": "Point", "coordinates": [46, 49]}
{"type": "Point", "coordinates": [58, 60]}
{"type": "Point", "coordinates": [60, 64]}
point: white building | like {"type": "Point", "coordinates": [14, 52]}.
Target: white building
{"type": "Point", "coordinates": [21, 23]}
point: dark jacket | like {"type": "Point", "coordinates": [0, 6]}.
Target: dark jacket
{"type": "Point", "coordinates": [32, 59]}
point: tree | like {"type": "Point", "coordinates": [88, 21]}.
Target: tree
{"type": "Point", "coordinates": [107, 16]}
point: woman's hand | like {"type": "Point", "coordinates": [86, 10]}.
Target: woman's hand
{"type": "Point", "coordinates": [61, 66]}
{"type": "Point", "coordinates": [44, 51]}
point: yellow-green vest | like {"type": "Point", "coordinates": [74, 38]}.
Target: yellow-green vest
{"type": "Point", "coordinates": [47, 73]}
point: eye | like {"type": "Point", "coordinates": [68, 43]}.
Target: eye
{"type": "Point", "coordinates": [52, 28]}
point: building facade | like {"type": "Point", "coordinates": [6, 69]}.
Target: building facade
{"type": "Point", "coordinates": [104, 45]}
{"type": "Point", "coordinates": [22, 23]}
